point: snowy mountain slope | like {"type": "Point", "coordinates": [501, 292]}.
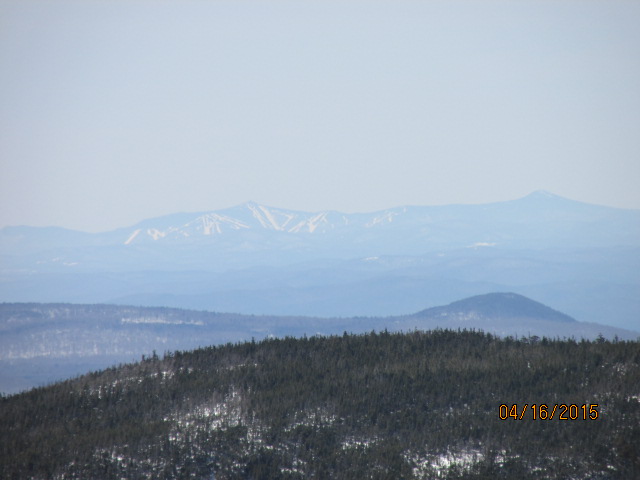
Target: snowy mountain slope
{"type": "Point", "coordinates": [258, 259]}
{"type": "Point", "coordinates": [540, 220]}
{"type": "Point", "coordinates": [534, 209]}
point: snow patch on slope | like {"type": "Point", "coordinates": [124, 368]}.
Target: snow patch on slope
{"type": "Point", "coordinates": [311, 224]}
{"type": "Point", "coordinates": [273, 221]}
{"type": "Point", "coordinates": [160, 321]}
{"type": "Point", "coordinates": [258, 216]}
{"type": "Point", "coordinates": [387, 217]}
{"type": "Point", "coordinates": [213, 222]}
{"type": "Point", "coordinates": [132, 236]}
{"type": "Point", "coordinates": [155, 233]}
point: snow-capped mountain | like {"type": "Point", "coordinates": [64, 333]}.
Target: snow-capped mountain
{"type": "Point", "coordinates": [246, 217]}
{"type": "Point", "coordinates": [541, 217]}
{"type": "Point", "coordinates": [539, 220]}
{"type": "Point", "coordinates": [254, 258]}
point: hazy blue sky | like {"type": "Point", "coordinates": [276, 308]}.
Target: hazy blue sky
{"type": "Point", "coordinates": [115, 111]}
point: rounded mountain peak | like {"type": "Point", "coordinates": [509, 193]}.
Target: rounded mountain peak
{"type": "Point", "coordinates": [500, 305]}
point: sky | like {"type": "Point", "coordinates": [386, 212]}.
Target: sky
{"type": "Point", "coordinates": [116, 111]}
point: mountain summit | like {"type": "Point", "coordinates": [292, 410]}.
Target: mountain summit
{"type": "Point", "coordinates": [496, 306]}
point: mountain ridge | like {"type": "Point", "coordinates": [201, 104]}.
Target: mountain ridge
{"type": "Point", "coordinates": [426, 222]}
{"type": "Point", "coordinates": [535, 196]}
{"type": "Point", "coordinates": [332, 263]}
{"type": "Point", "coordinates": [40, 343]}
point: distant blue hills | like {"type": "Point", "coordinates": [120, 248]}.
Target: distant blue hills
{"type": "Point", "coordinates": [584, 259]}
{"type": "Point", "coordinates": [495, 306]}
{"type": "Point", "coordinates": [44, 342]}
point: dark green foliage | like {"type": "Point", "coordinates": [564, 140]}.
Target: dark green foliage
{"type": "Point", "coordinates": [377, 406]}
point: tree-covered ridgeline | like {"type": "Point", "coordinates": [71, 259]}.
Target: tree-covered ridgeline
{"type": "Point", "coordinates": [378, 405]}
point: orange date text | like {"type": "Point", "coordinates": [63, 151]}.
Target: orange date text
{"type": "Point", "coordinates": [543, 411]}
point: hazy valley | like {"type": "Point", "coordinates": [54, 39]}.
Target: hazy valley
{"type": "Point", "coordinates": [582, 259]}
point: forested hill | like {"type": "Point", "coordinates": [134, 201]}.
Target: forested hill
{"type": "Point", "coordinates": [496, 306]}
{"type": "Point", "coordinates": [42, 343]}
{"type": "Point", "coordinates": [376, 406]}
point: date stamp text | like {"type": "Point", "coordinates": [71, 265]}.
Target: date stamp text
{"type": "Point", "coordinates": [542, 411]}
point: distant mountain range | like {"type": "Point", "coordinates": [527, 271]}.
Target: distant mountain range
{"type": "Point", "coordinates": [40, 343]}
{"type": "Point", "coordinates": [257, 259]}
{"type": "Point", "coordinates": [539, 220]}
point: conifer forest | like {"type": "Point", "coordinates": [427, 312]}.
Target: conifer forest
{"type": "Point", "coordinates": [420, 405]}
